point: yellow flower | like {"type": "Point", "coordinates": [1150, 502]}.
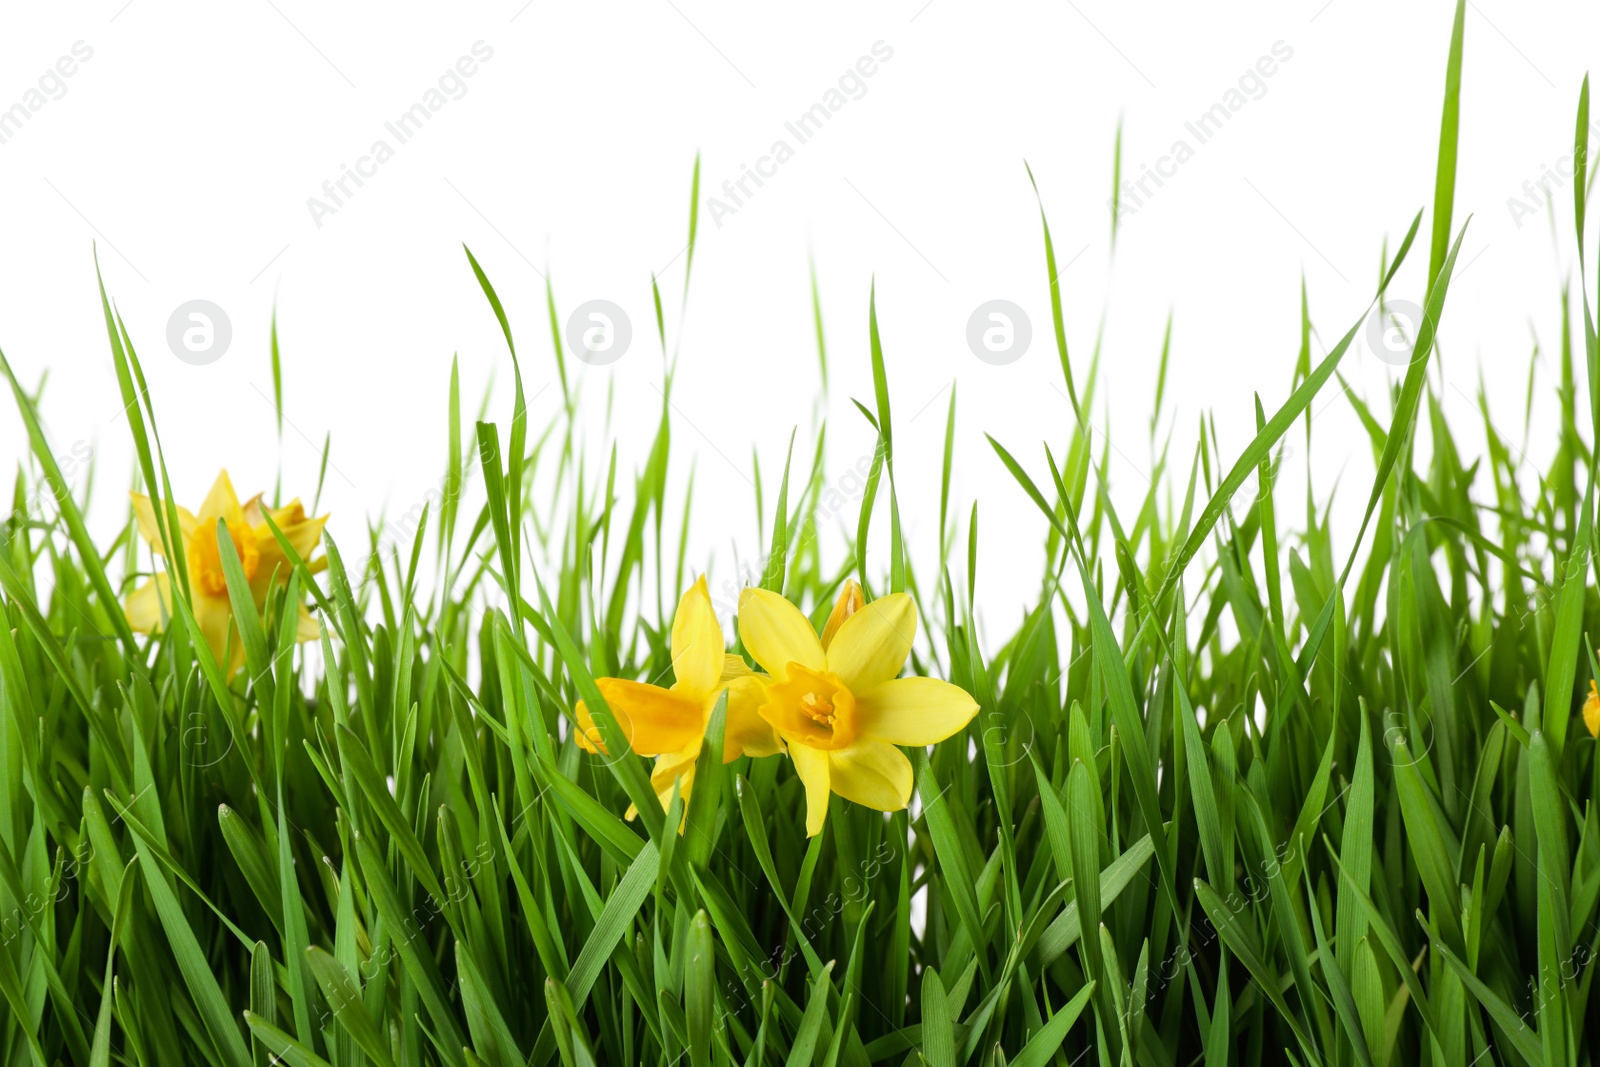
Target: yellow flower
{"type": "Point", "coordinates": [670, 723]}
{"type": "Point", "coordinates": [260, 556]}
{"type": "Point", "coordinates": [1591, 711]}
{"type": "Point", "coordinates": [842, 708]}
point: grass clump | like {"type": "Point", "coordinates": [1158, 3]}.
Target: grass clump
{"type": "Point", "coordinates": [1229, 793]}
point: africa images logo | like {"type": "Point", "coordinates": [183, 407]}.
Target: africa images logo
{"type": "Point", "coordinates": [451, 85]}
{"type": "Point", "coordinates": [851, 85]}
{"type": "Point", "coordinates": [51, 85]}
{"type": "Point", "coordinates": [1135, 192]}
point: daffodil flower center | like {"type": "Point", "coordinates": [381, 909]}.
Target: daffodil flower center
{"type": "Point", "coordinates": [205, 562]}
{"type": "Point", "coordinates": [818, 707]}
{"type": "Point", "coordinates": [813, 708]}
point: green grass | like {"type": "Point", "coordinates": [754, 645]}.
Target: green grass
{"type": "Point", "coordinates": [1235, 793]}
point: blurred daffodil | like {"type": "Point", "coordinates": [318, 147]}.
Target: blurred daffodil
{"type": "Point", "coordinates": [839, 703]}
{"type": "Point", "coordinates": [1591, 711]}
{"type": "Point", "coordinates": [670, 723]}
{"type": "Point", "coordinates": [260, 557]}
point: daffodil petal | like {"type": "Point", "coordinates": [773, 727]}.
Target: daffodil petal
{"type": "Point", "coordinates": [746, 733]}
{"type": "Point", "coordinates": [292, 512]}
{"type": "Point", "coordinates": [674, 767]}
{"type": "Point", "coordinates": [812, 766]}
{"type": "Point", "coordinates": [653, 719]}
{"type": "Point", "coordinates": [301, 532]}
{"type": "Point", "coordinates": [871, 646]}
{"type": "Point", "coordinates": [149, 605]}
{"type": "Point", "coordinates": [777, 634]}
{"type": "Point", "coordinates": [850, 601]}
{"type": "Point", "coordinates": [735, 667]}
{"type": "Point", "coordinates": [871, 773]}
{"type": "Point", "coordinates": [272, 564]}
{"type": "Point", "coordinates": [697, 644]}
{"type": "Point", "coordinates": [221, 503]}
{"type": "Point", "coordinates": [306, 627]}
{"type": "Point", "coordinates": [914, 711]}
{"type": "Point", "coordinates": [214, 614]}
{"type": "Point", "coordinates": [144, 511]}
{"type": "Point", "coordinates": [585, 732]}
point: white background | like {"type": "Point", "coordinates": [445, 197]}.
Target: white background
{"type": "Point", "coordinates": [190, 142]}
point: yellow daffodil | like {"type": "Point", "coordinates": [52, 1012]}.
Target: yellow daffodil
{"type": "Point", "coordinates": [260, 556]}
{"type": "Point", "coordinates": [1591, 711]}
{"type": "Point", "coordinates": [841, 706]}
{"type": "Point", "coordinates": [670, 723]}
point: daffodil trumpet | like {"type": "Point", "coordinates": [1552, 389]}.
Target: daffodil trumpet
{"type": "Point", "coordinates": [838, 702]}
{"type": "Point", "coordinates": [669, 723]}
